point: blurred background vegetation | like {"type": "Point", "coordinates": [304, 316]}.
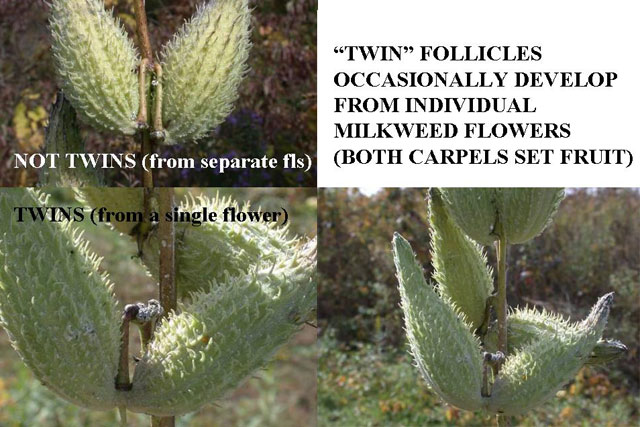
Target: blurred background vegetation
{"type": "Point", "coordinates": [275, 114]}
{"type": "Point", "coordinates": [283, 394]}
{"type": "Point", "coordinates": [366, 375]}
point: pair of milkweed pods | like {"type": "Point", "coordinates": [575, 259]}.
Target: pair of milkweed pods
{"type": "Point", "coordinates": [62, 317]}
{"type": "Point", "coordinates": [202, 67]}
{"type": "Point", "coordinates": [546, 351]}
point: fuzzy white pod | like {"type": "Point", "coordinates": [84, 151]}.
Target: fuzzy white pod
{"type": "Point", "coordinates": [445, 351]}
{"type": "Point", "coordinates": [203, 66]}
{"type": "Point", "coordinates": [224, 335]}
{"type": "Point", "coordinates": [539, 369]}
{"type": "Point", "coordinates": [96, 62]}
{"type": "Point", "coordinates": [56, 306]}
{"type": "Point", "coordinates": [460, 266]}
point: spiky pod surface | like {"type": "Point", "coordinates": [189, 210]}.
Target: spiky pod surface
{"type": "Point", "coordinates": [527, 325]}
{"type": "Point", "coordinates": [535, 372]}
{"type": "Point", "coordinates": [203, 66]}
{"type": "Point", "coordinates": [215, 250]}
{"type": "Point", "coordinates": [96, 62]}
{"type": "Point", "coordinates": [115, 199]}
{"type": "Point", "coordinates": [460, 266]}
{"type": "Point", "coordinates": [446, 352]}
{"type": "Point", "coordinates": [224, 335]}
{"type": "Point", "coordinates": [518, 214]}
{"type": "Point", "coordinates": [56, 306]}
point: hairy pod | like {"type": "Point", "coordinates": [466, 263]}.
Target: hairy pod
{"type": "Point", "coordinates": [535, 372]}
{"type": "Point", "coordinates": [95, 61]}
{"type": "Point", "coordinates": [519, 214]}
{"type": "Point", "coordinates": [445, 351]}
{"type": "Point", "coordinates": [56, 306]}
{"type": "Point", "coordinates": [460, 265]}
{"type": "Point", "coordinates": [525, 326]}
{"type": "Point", "coordinates": [203, 66]}
{"type": "Point", "coordinates": [214, 250]}
{"type": "Point", "coordinates": [224, 335]}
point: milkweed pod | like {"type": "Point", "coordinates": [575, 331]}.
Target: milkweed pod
{"type": "Point", "coordinates": [518, 214]}
{"type": "Point", "coordinates": [474, 211]}
{"type": "Point", "coordinates": [56, 306]}
{"type": "Point", "coordinates": [213, 250]}
{"type": "Point", "coordinates": [460, 265]}
{"type": "Point", "coordinates": [225, 334]}
{"type": "Point", "coordinates": [539, 369]}
{"type": "Point", "coordinates": [445, 351]}
{"type": "Point", "coordinates": [115, 200]}
{"type": "Point", "coordinates": [203, 66]}
{"type": "Point", "coordinates": [525, 326]}
{"type": "Point", "coordinates": [526, 212]}
{"type": "Point", "coordinates": [95, 61]}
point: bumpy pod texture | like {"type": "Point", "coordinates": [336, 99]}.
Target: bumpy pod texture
{"type": "Point", "coordinates": [214, 250]}
{"type": "Point", "coordinates": [96, 63]}
{"type": "Point", "coordinates": [115, 199]}
{"type": "Point", "coordinates": [445, 351]}
{"type": "Point", "coordinates": [460, 265]}
{"type": "Point", "coordinates": [57, 308]}
{"type": "Point", "coordinates": [519, 214]}
{"type": "Point", "coordinates": [525, 326]}
{"type": "Point", "coordinates": [222, 336]}
{"type": "Point", "coordinates": [539, 369]}
{"type": "Point", "coordinates": [203, 66]}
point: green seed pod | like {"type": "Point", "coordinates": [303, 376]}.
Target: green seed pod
{"type": "Point", "coordinates": [115, 199]}
{"type": "Point", "coordinates": [56, 306]}
{"type": "Point", "coordinates": [539, 369]}
{"type": "Point", "coordinates": [96, 62]}
{"type": "Point", "coordinates": [526, 212]}
{"type": "Point", "coordinates": [203, 67]}
{"type": "Point", "coordinates": [216, 249]}
{"type": "Point", "coordinates": [473, 209]}
{"type": "Point", "coordinates": [460, 265]}
{"type": "Point", "coordinates": [525, 326]}
{"type": "Point", "coordinates": [445, 351]}
{"type": "Point", "coordinates": [519, 214]}
{"type": "Point", "coordinates": [224, 335]}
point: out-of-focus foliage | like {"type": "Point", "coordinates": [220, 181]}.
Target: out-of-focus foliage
{"type": "Point", "coordinates": [275, 114]}
{"type": "Point", "coordinates": [357, 292]}
{"type": "Point", "coordinates": [591, 248]}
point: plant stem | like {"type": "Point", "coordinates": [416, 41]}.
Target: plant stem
{"type": "Point", "coordinates": [166, 230]}
{"type": "Point", "coordinates": [168, 295]}
{"type": "Point", "coordinates": [142, 30]}
{"type": "Point", "coordinates": [123, 381]}
{"type": "Point", "coordinates": [501, 303]}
